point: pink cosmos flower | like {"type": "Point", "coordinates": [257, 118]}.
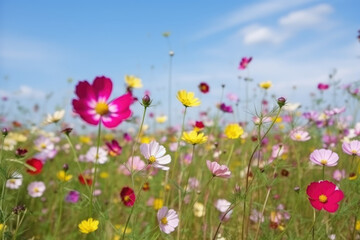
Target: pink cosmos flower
{"type": "Point", "coordinates": [133, 164]}
{"type": "Point", "coordinates": [338, 175]}
{"type": "Point", "coordinates": [114, 148]}
{"type": "Point", "coordinates": [155, 154]}
{"type": "Point", "coordinates": [351, 148]}
{"type": "Point", "coordinates": [223, 206]}
{"type": "Point", "coordinates": [92, 105]}
{"type": "Point", "coordinates": [324, 157]}
{"type": "Point", "coordinates": [324, 194]}
{"type": "Point", "coordinates": [322, 86]}
{"type": "Point", "coordinates": [36, 189]}
{"type": "Point", "coordinates": [244, 62]}
{"type": "Point", "coordinates": [218, 170]}
{"type": "Point", "coordinates": [299, 135]}
{"type": "Point", "coordinates": [226, 108]}
{"type": "Point", "coordinates": [168, 220]}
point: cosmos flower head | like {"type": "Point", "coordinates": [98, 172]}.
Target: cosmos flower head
{"type": "Point", "coordinates": [127, 196]}
{"type": "Point", "coordinates": [194, 137]}
{"type": "Point", "coordinates": [168, 220]}
{"type": "Point", "coordinates": [188, 99]}
{"type": "Point", "coordinates": [36, 164]}
{"type": "Point", "coordinates": [299, 135]}
{"type": "Point", "coordinates": [323, 86]}
{"type": "Point", "coordinates": [233, 131]}
{"type": "Point", "coordinates": [244, 62]}
{"type": "Point", "coordinates": [226, 108]}
{"type": "Point", "coordinates": [133, 164]}
{"type": "Point", "coordinates": [324, 195]}
{"type": "Point", "coordinates": [352, 147]}
{"type": "Point", "coordinates": [114, 148]}
{"type": "Point", "coordinates": [54, 118]}
{"type": "Point", "coordinates": [204, 87]}
{"type": "Point", "coordinates": [217, 170]}
{"type": "Point", "coordinates": [15, 181]}
{"type": "Point", "coordinates": [324, 157]}
{"type": "Point", "coordinates": [88, 226]}
{"type": "Point", "coordinates": [265, 85]}
{"type": "Point", "coordinates": [133, 82]}
{"type": "Point", "coordinates": [155, 154]}
{"type": "Point", "coordinates": [102, 155]}
{"type": "Point", "coordinates": [93, 107]}
{"type": "Point", "coordinates": [36, 189]}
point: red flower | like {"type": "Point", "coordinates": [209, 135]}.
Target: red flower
{"type": "Point", "coordinates": [35, 163]}
{"type": "Point", "coordinates": [127, 196]}
{"type": "Point", "coordinates": [85, 180]}
{"type": "Point", "coordinates": [244, 62]}
{"type": "Point", "coordinates": [199, 124]}
{"type": "Point", "coordinates": [204, 87]}
{"type": "Point", "coordinates": [324, 194]}
{"type": "Point", "coordinates": [323, 86]}
{"type": "Point", "coordinates": [92, 104]}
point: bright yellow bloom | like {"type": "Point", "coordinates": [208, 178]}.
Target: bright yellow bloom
{"type": "Point", "coordinates": [265, 85]}
{"type": "Point", "coordinates": [133, 82]}
{"type": "Point", "coordinates": [88, 226]}
{"type": "Point", "coordinates": [104, 175]}
{"type": "Point", "coordinates": [194, 137]}
{"type": "Point", "coordinates": [357, 227]}
{"type": "Point", "coordinates": [145, 139]}
{"type": "Point", "coordinates": [85, 139]}
{"type": "Point", "coordinates": [188, 99]}
{"type": "Point", "coordinates": [233, 131]}
{"type": "Point", "coordinates": [2, 226]}
{"type": "Point", "coordinates": [158, 203]}
{"type": "Point", "coordinates": [161, 119]}
{"type": "Point", "coordinates": [62, 176]}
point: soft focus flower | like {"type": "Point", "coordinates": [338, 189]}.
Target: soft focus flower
{"type": "Point", "coordinates": [133, 164]}
{"type": "Point", "coordinates": [204, 87]}
{"type": "Point", "coordinates": [351, 148]}
{"type": "Point", "coordinates": [194, 137]}
{"type": "Point", "coordinates": [46, 148]}
{"type": "Point", "coordinates": [244, 62]}
{"type": "Point", "coordinates": [54, 118]}
{"type": "Point", "coordinates": [232, 97]}
{"type": "Point", "coordinates": [62, 176]}
{"type": "Point", "coordinates": [114, 148]}
{"type": "Point", "coordinates": [168, 220]}
{"type": "Point", "coordinates": [161, 119]}
{"type": "Point", "coordinates": [223, 206]}
{"type": "Point", "coordinates": [36, 189]}
{"type": "Point", "coordinates": [299, 135]}
{"type": "Point", "coordinates": [357, 227]}
{"type": "Point", "coordinates": [199, 209]}
{"type": "Point", "coordinates": [324, 157]}
{"type": "Point", "coordinates": [338, 175]}
{"type": "Point", "coordinates": [85, 179]}
{"type": "Point", "coordinates": [233, 131]}
{"type": "Point", "coordinates": [188, 98]}
{"type": "Point", "coordinates": [133, 82]}
{"type": "Point", "coordinates": [323, 86]}
{"type": "Point", "coordinates": [256, 216]}
{"type": "Point", "coordinates": [102, 155]}
{"type": "Point", "coordinates": [127, 196]}
{"type": "Point", "coordinates": [158, 203]}
{"type": "Point", "coordinates": [199, 125]}
{"type": "Point", "coordinates": [155, 154]}
{"type": "Point", "coordinates": [225, 108]}
{"type": "Point", "coordinates": [92, 105]}
{"type": "Point", "coordinates": [217, 170]}
{"type": "Point", "coordinates": [265, 85]}
{"type": "Point", "coordinates": [15, 181]}
{"type": "Point", "coordinates": [324, 194]}
{"type": "Point", "coordinates": [35, 163]}
{"type": "Point", "coordinates": [88, 226]}
{"type": "Point", "coordinates": [72, 197]}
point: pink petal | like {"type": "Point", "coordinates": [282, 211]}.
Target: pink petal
{"type": "Point", "coordinates": [82, 109]}
{"type": "Point", "coordinates": [102, 87]}
{"type": "Point", "coordinates": [84, 91]}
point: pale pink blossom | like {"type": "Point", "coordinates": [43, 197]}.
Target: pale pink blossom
{"type": "Point", "coordinates": [168, 220]}
{"type": "Point", "coordinates": [324, 157]}
{"type": "Point", "coordinates": [217, 170]}
{"type": "Point", "coordinates": [155, 154]}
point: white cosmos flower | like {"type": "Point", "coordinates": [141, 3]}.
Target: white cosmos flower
{"type": "Point", "coordinates": [154, 153]}
{"type": "Point", "coordinates": [15, 181]}
{"type": "Point", "coordinates": [54, 118]}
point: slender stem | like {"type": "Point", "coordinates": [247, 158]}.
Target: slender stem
{"type": "Point", "coordinates": [230, 154]}
{"type": "Point", "coordinates": [60, 209]}
{"type": "Point", "coordinates": [323, 172]}
{"type": "Point", "coordinates": [313, 227]}
{"type": "Point", "coordinates": [95, 172]}
{"type": "Point", "coordinates": [262, 212]}
{"type": "Point", "coordinates": [2, 149]}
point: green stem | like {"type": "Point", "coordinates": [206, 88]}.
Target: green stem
{"type": "Point", "coordinates": [230, 154]}
{"type": "Point", "coordinates": [2, 149]}
{"type": "Point", "coordinates": [60, 209]}
{"type": "Point", "coordinates": [323, 172]}
{"type": "Point", "coordinates": [96, 168]}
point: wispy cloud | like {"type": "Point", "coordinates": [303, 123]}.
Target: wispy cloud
{"type": "Point", "coordinates": [249, 13]}
{"type": "Point", "coordinates": [24, 92]}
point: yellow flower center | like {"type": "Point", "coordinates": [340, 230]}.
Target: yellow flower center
{"type": "Point", "coordinates": [354, 151]}
{"type": "Point", "coordinates": [323, 161]}
{"type": "Point", "coordinates": [298, 136]}
{"type": "Point", "coordinates": [101, 108]}
{"type": "Point", "coordinates": [36, 190]}
{"type": "Point", "coordinates": [126, 198]}
{"type": "Point", "coordinates": [322, 198]}
{"type": "Point", "coordinates": [152, 159]}
{"type": "Point", "coordinates": [164, 220]}
{"type": "Point", "coordinates": [43, 146]}
{"type": "Point", "coordinates": [13, 181]}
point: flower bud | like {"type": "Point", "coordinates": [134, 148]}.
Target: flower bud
{"type": "Point", "coordinates": [65, 167]}
{"type": "Point", "coordinates": [67, 131]}
{"type": "Point", "coordinates": [4, 132]}
{"type": "Point", "coordinates": [281, 101]}
{"type": "Point", "coordinates": [146, 101]}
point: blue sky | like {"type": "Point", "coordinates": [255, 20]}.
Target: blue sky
{"type": "Point", "coordinates": [293, 43]}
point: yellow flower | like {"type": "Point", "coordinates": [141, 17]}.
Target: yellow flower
{"type": "Point", "coordinates": [161, 119]}
{"type": "Point", "coordinates": [18, 137]}
{"type": "Point", "coordinates": [145, 139]}
{"type": "Point", "coordinates": [85, 139]}
{"type": "Point", "coordinates": [2, 227]}
{"type": "Point", "coordinates": [133, 82]}
{"type": "Point", "coordinates": [265, 85]}
{"type": "Point", "coordinates": [158, 203]}
{"type": "Point", "coordinates": [62, 176]}
{"type": "Point", "coordinates": [357, 227]}
{"type": "Point", "coordinates": [88, 226]}
{"type": "Point", "coordinates": [188, 99]}
{"type": "Point", "coordinates": [233, 131]}
{"type": "Point", "coordinates": [104, 175]}
{"type": "Point", "coordinates": [194, 137]}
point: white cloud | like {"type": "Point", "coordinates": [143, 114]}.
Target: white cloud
{"type": "Point", "coordinates": [309, 17]}
{"type": "Point", "coordinates": [249, 13]}
{"type": "Point", "coordinates": [261, 34]}
{"type": "Point", "coordinates": [24, 92]}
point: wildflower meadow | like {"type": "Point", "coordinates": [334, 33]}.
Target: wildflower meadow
{"type": "Point", "coordinates": [112, 163]}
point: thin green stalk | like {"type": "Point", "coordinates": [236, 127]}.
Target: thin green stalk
{"type": "Point", "coordinates": [323, 172]}
{"type": "Point", "coordinates": [2, 149]}
{"type": "Point", "coordinates": [230, 154]}
{"type": "Point", "coordinates": [61, 199]}
{"type": "Point", "coordinates": [262, 212]}
{"type": "Point", "coordinates": [95, 172]}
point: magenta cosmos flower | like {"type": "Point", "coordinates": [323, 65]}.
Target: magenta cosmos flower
{"type": "Point", "coordinates": [244, 62]}
{"type": "Point", "coordinates": [217, 170]}
{"type": "Point", "coordinates": [92, 104]}
{"type": "Point", "coordinates": [323, 86]}
{"type": "Point", "coordinates": [168, 220]}
{"type": "Point", "coordinates": [324, 194]}
{"type": "Point", "coordinates": [324, 157]}
{"type": "Point", "coordinates": [351, 148]}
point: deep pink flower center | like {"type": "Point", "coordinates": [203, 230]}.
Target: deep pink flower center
{"type": "Point", "coordinates": [323, 198]}
{"type": "Point", "coordinates": [101, 108]}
